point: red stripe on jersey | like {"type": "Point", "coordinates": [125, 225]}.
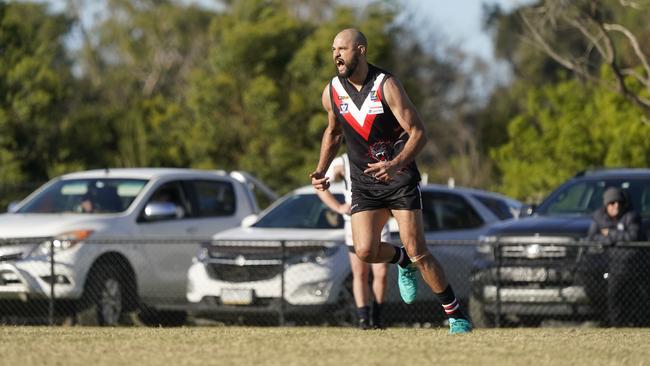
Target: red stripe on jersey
{"type": "Point", "coordinates": [364, 130]}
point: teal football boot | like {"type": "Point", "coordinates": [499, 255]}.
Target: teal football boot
{"type": "Point", "coordinates": [459, 326]}
{"type": "Point", "coordinates": [407, 282]}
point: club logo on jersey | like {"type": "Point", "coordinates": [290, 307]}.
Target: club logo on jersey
{"type": "Point", "coordinates": [373, 95]}
{"type": "Point", "coordinates": [344, 108]}
{"type": "Point", "coordinates": [381, 151]}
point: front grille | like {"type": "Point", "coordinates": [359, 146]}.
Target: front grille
{"type": "Point", "coordinates": [233, 261]}
{"type": "Point", "coordinates": [222, 257]}
{"type": "Point", "coordinates": [533, 251]}
{"type": "Point", "coordinates": [248, 273]}
{"type": "Point", "coordinates": [537, 247]}
{"type": "Point", "coordinates": [529, 275]}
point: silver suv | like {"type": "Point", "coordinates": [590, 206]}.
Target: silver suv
{"type": "Point", "coordinates": [122, 239]}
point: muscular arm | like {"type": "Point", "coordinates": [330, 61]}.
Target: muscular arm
{"type": "Point", "coordinates": [407, 116]}
{"type": "Point", "coordinates": [332, 138]}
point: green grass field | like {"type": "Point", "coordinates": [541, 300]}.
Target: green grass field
{"type": "Point", "coordinates": [321, 346]}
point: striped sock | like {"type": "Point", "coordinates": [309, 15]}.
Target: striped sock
{"type": "Point", "coordinates": [452, 309]}
{"type": "Point", "coordinates": [450, 304]}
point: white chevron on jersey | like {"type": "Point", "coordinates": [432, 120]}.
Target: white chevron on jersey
{"type": "Point", "coordinates": [360, 115]}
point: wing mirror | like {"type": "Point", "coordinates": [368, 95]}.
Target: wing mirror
{"type": "Point", "coordinates": [527, 210]}
{"type": "Point", "coordinates": [13, 207]}
{"type": "Point", "coordinates": [155, 211]}
{"type": "Point", "coordinates": [249, 220]}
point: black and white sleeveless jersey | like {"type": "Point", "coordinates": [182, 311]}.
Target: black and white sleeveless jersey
{"type": "Point", "coordinates": [371, 131]}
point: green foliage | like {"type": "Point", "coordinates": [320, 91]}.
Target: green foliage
{"type": "Point", "coordinates": [566, 128]}
{"type": "Point", "coordinates": [558, 124]}
{"type": "Point", "coordinates": [34, 83]}
{"type": "Point", "coordinates": [163, 83]}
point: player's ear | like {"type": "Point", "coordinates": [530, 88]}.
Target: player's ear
{"type": "Point", "coordinates": [362, 49]}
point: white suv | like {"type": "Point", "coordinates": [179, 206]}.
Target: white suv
{"type": "Point", "coordinates": [123, 239]}
{"type": "Point", "coordinates": [239, 274]}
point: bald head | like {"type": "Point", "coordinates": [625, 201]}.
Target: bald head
{"type": "Point", "coordinates": [354, 36]}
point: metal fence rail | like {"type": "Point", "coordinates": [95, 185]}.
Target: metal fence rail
{"type": "Point", "coordinates": [162, 280]}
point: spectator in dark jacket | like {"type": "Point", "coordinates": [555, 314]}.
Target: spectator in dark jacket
{"type": "Point", "coordinates": [616, 223]}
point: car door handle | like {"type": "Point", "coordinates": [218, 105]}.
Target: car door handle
{"type": "Point", "coordinates": [192, 230]}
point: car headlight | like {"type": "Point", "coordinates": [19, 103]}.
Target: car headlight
{"type": "Point", "coordinates": [486, 246]}
{"type": "Point", "coordinates": [201, 255]}
{"type": "Point", "coordinates": [61, 242]}
{"type": "Point", "coordinates": [318, 256]}
{"type": "Point", "coordinates": [487, 239]}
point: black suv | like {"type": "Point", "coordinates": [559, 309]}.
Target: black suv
{"type": "Point", "coordinates": [545, 273]}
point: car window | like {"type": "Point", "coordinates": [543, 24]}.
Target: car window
{"type": "Point", "coordinates": [87, 196]}
{"type": "Point", "coordinates": [448, 211]}
{"type": "Point", "coordinates": [585, 196]}
{"type": "Point", "coordinates": [302, 211]}
{"type": "Point", "coordinates": [498, 207]}
{"type": "Point", "coordinates": [215, 198]}
{"type": "Point", "coordinates": [644, 200]}
{"type": "Point", "coordinates": [172, 192]}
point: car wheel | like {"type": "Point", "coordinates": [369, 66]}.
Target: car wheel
{"type": "Point", "coordinates": [103, 300]}
{"type": "Point", "coordinates": [480, 318]}
{"type": "Point", "coordinates": [344, 313]}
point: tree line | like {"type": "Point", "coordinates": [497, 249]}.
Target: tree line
{"type": "Point", "coordinates": [237, 86]}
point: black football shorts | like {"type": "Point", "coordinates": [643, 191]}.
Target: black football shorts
{"type": "Point", "coordinates": [407, 197]}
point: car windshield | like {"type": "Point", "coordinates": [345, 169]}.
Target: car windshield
{"type": "Point", "coordinates": [87, 196]}
{"type": "Point", "coordinates": [302, 211]}
{"type": "Point", "coordinates": [499, 208]}
{"type": "Point", "coordinates": [585, 196]}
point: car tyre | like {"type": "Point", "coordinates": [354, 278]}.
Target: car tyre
{"type": "Point", "coordinates": [103, 301]}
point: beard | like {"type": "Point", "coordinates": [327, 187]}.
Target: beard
{"type": "Point", "coordinates": [349, 68]}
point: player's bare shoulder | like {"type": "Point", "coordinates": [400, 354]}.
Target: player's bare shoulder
{"type": "Point", "coordinates": [394, 91]}
{"type": "Point", "coordinates": [398, 101]}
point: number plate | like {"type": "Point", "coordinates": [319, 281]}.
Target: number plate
{"type": "Point", "coordinates": [230, 296]}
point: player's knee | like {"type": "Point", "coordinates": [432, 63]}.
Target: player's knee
{"type": "Point", "coordinates": [365, 255]}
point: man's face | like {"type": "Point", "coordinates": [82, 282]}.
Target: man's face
{"type": "Point", "coordinates": [613, 208]}
{"type": "Point", "coordinates": [345, 54]}
{"type": "Point", "coordinates": [87, 205]}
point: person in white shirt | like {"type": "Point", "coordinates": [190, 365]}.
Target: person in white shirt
{"type": "Point", "coordinates": [340, 169]}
